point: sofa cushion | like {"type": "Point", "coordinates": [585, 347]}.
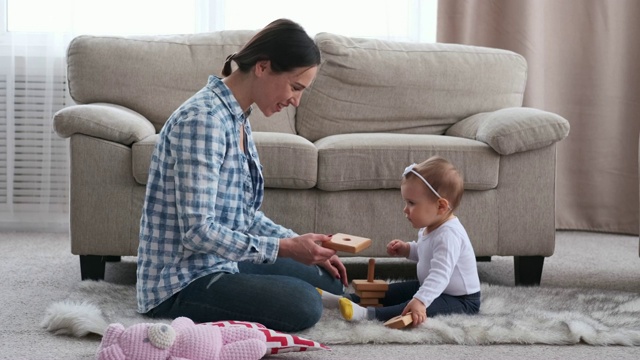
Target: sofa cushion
{"type": "Point", "coordinates": [289, 161]}
{"type": "Point", "coordinates": [141, 152]}
{"type": "Point", "coordinates": [153, 75]}
{"type": "Point", "coordinates": [513, 130]}
{"type": "Point", "coordinates": [369, 85]}
{"type": "Point", "coordinates": [104, 121]}
{"type": "Point", "coordinates": [376, 160]}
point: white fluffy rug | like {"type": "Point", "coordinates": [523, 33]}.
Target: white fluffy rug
{"type": "Point", "coordinates": [508, 315]}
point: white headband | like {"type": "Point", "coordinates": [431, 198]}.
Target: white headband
{"type": "Point", "coordinates": [409, 169]}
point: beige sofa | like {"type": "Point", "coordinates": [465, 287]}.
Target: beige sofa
{"type": "Point", "coordinates": [334, 164]}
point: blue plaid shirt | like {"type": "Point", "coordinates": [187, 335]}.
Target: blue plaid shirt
{"type": "Point", "coordinates": [200, 214]}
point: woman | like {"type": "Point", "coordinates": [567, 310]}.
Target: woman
{"type": "Point", "coordinates": [206, 251]}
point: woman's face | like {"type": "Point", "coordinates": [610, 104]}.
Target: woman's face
{"type": "Point", "coordinates": [274, 92]}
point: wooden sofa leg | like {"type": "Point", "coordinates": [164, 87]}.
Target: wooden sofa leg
{"type": "Point", "coordinates": [528, 270]}
{"type": "Point", "coordinates": [92, 267]}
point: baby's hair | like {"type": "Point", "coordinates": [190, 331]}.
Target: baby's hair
{"type": "Point", "coordinates": [283, 42]}
{"type": "Point", "coordinates": [443, 177]}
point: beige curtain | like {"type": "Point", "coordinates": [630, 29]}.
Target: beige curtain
{"type": "Point", "coordinates": [584, 64]}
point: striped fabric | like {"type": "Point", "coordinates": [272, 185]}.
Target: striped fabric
{"type": "Point", "coordinates": [277, 342]}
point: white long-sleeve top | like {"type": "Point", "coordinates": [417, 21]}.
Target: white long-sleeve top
{"type": "Point", "coordinates": [446, 262]}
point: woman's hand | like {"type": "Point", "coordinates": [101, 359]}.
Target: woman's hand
{"type": "Point", "coordinates": [305, 249]}
{"type": "Point", "coordinates": [398, 248]}
{"type": "Point", "coordinates": [418, 311]}
{"type": "Point", "coordinates": [336, 268]}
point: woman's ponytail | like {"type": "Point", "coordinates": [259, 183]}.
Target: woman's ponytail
{"type": "Point", "coordinates": [226, 69]}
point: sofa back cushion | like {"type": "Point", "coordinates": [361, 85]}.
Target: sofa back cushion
{"type": "Point", "coordinates": [153, 75]}
{"type": "Point", "coordinates": [376, 160]}
{"type": "Point", "coordinates": [368, 85]}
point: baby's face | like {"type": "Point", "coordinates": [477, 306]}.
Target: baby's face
{"type": "Point", "coordinates": [420, 207]}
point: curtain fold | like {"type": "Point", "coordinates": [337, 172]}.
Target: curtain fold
{"type": "Point", "coordinates": [582, 57]}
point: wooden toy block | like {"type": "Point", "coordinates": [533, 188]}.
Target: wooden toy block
{"type": "Point", "coordinates": [371, 294]}
{"type": "Point", "coordinates": [371, 268]}
{"type": "Point", "coordinates": [370, 284]}
{"type": "Point", "coordinates": [375, 285]}
{"type": "Point", "coordinates": [347, 243]}
{"type": "Point", "coordinates": [369, 302]}
{"type": "Point", "coordinates": [399, 321]}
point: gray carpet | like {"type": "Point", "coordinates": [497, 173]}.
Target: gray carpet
{"type": "Point", "coordinates": [39, 270]}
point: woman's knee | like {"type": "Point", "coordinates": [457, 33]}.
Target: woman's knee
{"type": "Point", "coordinates": [308, 317]}
{"type": "Point", "coordinates": [312, 306]}
{"type": "Point", "coordinates": [334, 286]}
{"type": "Point", "coordinates": [306, 310]}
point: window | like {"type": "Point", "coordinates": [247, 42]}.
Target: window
{"type": "Point", "coordinates": [401, 20]}
{"type": "Point", "coordinates": [113, 17]}
{"type": "Point", "coordinates": [404, 20]}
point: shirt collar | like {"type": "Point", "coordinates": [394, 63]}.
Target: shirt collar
{"type": "Point", "coordinates": [224, 93]}
{"type": "Point", "coordinates": [248, 112]}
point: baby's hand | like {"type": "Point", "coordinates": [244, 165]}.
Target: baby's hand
{"type": "Point", "coordinates": [398, 248]}
{"type": "Point", "coordinates": [418, 311]}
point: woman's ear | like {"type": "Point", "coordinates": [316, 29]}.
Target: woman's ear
{"type": "Point", "coordinates": [262, 67]}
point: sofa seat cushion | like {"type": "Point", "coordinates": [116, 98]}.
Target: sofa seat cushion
{"type": "Point", "coordinates": [141, 152]}
{"type": "Point", "coordinates": [376, 160]}
{"type": "Point", "coordinates": [289, 161]}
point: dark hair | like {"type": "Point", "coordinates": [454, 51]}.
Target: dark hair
{"type": "Point", "coordinates": [283, 42]}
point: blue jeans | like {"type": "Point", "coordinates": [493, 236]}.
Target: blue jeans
{"type": "Point", "coordinates": [281, 296]}
{"type": "Point", "coordinates": [400, 293]}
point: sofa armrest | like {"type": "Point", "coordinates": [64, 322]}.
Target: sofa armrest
{"type": "Point", "coordinates": [513, 130]}
{"type": "Point", "coordinates": [106, 121]}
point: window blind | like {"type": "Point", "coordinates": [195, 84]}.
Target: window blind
{"type": "Point", "coordinates": [34, 184]}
